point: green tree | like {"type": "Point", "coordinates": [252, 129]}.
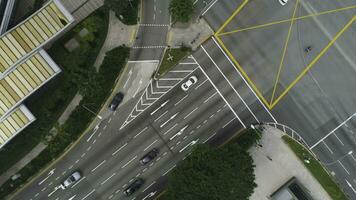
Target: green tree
{"type": "Point", "coordinates": [225, 173]}
{"type": "Point", "coordinates": [125, 10]}
{"type": "Point", "coordinates": [181, 10]}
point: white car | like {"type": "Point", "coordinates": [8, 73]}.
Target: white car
{"type": "Point", "coordinates": [191, 81]}
{"type": "Point", "coordinates": [283, 2]}
{"type": "Point", "coordinates": [71, 179]}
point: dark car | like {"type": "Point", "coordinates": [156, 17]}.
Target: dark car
{"type": "Point", "coordinates": [149, 156]}
{"type": "Point", "coordinates": [137, 184]}
{"type": "Point", "coordinates": [116, 101]}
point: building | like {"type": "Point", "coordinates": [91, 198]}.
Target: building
{"type": "Point", "coordinates": [25, 66]}
{"type": "Point", "coordinates": [291, 190]}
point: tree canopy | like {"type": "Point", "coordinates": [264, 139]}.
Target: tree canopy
{"type": "Point", "coordinates": [225, 173]}
{"type": "Point", "coordinates": [125, 10]}
{"type": "Point", "coordinates": [181, 10]}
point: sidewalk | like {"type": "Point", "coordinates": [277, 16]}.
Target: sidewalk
{"type": "Point", "coordinates": [276, 164]}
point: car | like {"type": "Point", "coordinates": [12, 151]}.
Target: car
{"type": "Point", "coordinates": [283, 2]}
{"type": "Point", "coordinates": [191, 81]}
{"type": "Point", "coordinates": [74, 177]}
{"type": "Point", "coordinates": [137, 184]}
{"type": "Point", "coordinates": [115, 102]}
{"type": "Point", "coordinates": [149, 156]}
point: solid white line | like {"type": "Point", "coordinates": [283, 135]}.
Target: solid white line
{"type": "Point", "coordinates": [209, 7]}
{"type": "Point", "coordinates": [149, 186]}
{"type": "Point", "coordinates": [210, 137]}
{"type": "Point", "coordinates": [170, 79]}
{"type": "Point", "coordinates": [201, 84]}
{"type": "Point", "coordinates": [140, 132]}
{"type": "Point", "coordinates": [331, 132]}
{"type": "Point", "coordinates": [352, 156]}
{"type": "Point", "coordinates": [129, 162]}
{"type": "Point", "coordinates": [339, 139]}
{"type": "Point", "coordinates": [228, 123]}
{"type": "Point", "coordinates": [78, 182]}
{"type": "Point", "coordinates": [180, 71]}
{"type": "Point", "coordinates": [98, 166]}
{"type": "Point", "coordinates": [181, 100]}
{"type": "Point", "coordinates": [161, 116]}
{"type": "Point", "coordinates": [188, 63]}
{"type": "Point", "coordinates": [86, 196]}
{"type": "Point", "coordinates": [170, 129]}
{"type": "Point", "coordinates": [206, 100]}
{"type": "Point", "coordinates": [190, 113]}
{"type": "Point", "coordinates": [102, 183]}
{"type": "Point", "coordinates": [243, 78]}
{"type": "Point", "coordinates": [227, 103]}
{"type": "Point", "coordinates": [143, 61]}
{"type": "Point", "coordinates": [248, 108]}
{"type": "Point", "coordinates": [150, 145]}
{"type": "Point", "coordinates": [127, 80]}
{"type": "Point", "coordinates": [169, 170]}
{"type": "Point", "coordinates": [343, 167]}
{"type": "Point", "coordinates": [119, 149]}
{"type": "Point", "coordinates": [328, 148]}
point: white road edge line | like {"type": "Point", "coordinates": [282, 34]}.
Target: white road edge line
{"type": "Point", "coordinates": [243, 78]}
{"type": "Point", "coordinates": [217, 67]}
{"type": "Point", "coordinates": [227, 103]}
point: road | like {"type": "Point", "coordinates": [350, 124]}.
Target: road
{"type": "Point", "coordinates": [320, 104]}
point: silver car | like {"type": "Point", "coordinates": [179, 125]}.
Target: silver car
{"type": "Point", "coordinates": [283, 2]}
{"type": "Point", "coordinates": [191, 81]}
{"type": "Point", "coordinates": [76, 176]}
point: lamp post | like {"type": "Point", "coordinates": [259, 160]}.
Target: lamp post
{"type": "Point", "coordinates": [98, 116]}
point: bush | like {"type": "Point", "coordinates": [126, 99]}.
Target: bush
{"type": "Point", "coordinates": [181, 10]}
{"type": "Point", "coordinates": [125, 10]}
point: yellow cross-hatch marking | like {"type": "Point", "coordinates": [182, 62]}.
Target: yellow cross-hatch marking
{"type": "Point", "coordinates": [272, 103]}
{"type": "Point", "coordinates": [284, 51]}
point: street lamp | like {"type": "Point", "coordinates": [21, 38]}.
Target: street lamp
{"type": "Point", "coordinates": [348, 153]}
{"type": "Point", "coordinates": [98, 116]}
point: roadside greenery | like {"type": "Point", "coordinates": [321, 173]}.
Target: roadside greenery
{"type": "Point", "coordinates": [48, 103]}
{"type": "Point", "coordinates": [225, 173]}
{"type": "Point", "coordinates": [125, 10]}
{"type": "Point", "coordinates": [181, 10]}
{"type": "Point", "coordinates": [172, 57]}
{"type": "Point", "coordinates": [315, 169]}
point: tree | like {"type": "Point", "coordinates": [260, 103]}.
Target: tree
{"type": "Point", "coordinates": [125, 10]}
{"type": "Point", "coordinates": [181, 10]}
{"type": "Point", "coordinates": [225, 173]}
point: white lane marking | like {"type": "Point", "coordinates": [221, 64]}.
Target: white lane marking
{"type": "Point", "coordinates": [140, 132]}
{"type": "Point", "coordinates": [109, 119]}
{"type": "Point", "coordinates": [94, 141]}
{"type": "Point", "coordinates": [124, 185]}
{"type": "Point", "coordinates": [57, 178]}
{"type": "Point", "coordinates": [228, 123]}
{"type": "Point", "coordinates": [331, 132]}
{"type": "Point", "coordinates": [50, 173]}
{"type": "Point", "coordinates": [211, 116]}
{"type": "Point", "coordinates": [161, 116]}
{"type": "Point", "coordinates": [201, 84]}
{"type": "Point", "coordinates": [339, 139]}
{"type": "Point", "coordinates": [211, 5]}
{"type": "Point", "coordinates": [349, 184]}
{"type": "Point", "coordinates": [50, 183]}
{"type": "Point", "coordinates": [78, 182]}
{"type": "Point", "coordinates": [144, 170]}
{"type": "Point", "coordinates": [83, 155]}
{"type": "Point", "coordinates": [111, 196]}
{"type": "Point", "coordinates": [166, 122]}
{"type": "Point", "coordinates": [170, 129]}
{"type": "Point", "coordinates": [64, 172]}
{"type": "Point", "coordinates": [161, 106]}
{"type": "Point", "coordinates": [70, 167]}
{"type": "Point", "coordinates": [131, 180]}
{"type": "Point", "coordinates": [227, 103]}
{"type": "Point", "coordinates": [104, 127]}
{"type": "Point", "coordinates": [43, 189]}
{"type": "Point", "coordinates": [343, 167]}
{"type": "Point", "coordinates": [243, 78]}
{"type": "Point", "coordinates": [233, 88]}
{"type": "Point", "coordinates": [181, 100]}
{"type": "Point", "coordinates": [352, 156]}
{"type": "Point", "coordinates": [328, 148]}
{"type": "Point", "coordinates": [180, 71]}
{"type": "Point", "coordinates": [169, 170]}
{"type": "Point", "coordinates": [165, 153]}
{"type": "Point", "coordinates": [117, 191]}
{"type": "Point", "coordinates": [102, 183]}
{"type": "Point", "coordinates": [187, 63]}
{"type": "Point", "coordinates": [188, 145]}
{"type": "Point", "coordinates": [88, 149]}
{"type": "Point", "coordinates": [119, 149]}
{"type": "Point", "coordinates": [98, 166]}
{"type": "Point", "coordinates": [149, 186]}
{"type": "Point", "coordinates": [151, 194]}
{"type": "Point", "coordinates": [198, 126]}
{"type": "Point", "coordinates": [130, 73]}
{"type": "Point", "coordinates": [150, 145]}
{"type": "Point", "coordinates": [71, 198]}
{"type": "Point", "coordinates": [137, 175]}
{"type": "Point", "coordinates": [206, 100]}
{"type": "Point", "coordinates": [143, 61]}
{"type": "Point", "coordinates": [86, 196]}
{"type": "Point", "coordinates": [190, 113]}
{"type": "Point", "coordinates": [210, 137]}
{"type": "Point", "coordinates": [138, 88]}
{"type": "Point", "coordinates": [76, 161]}
{"type": "Point", "coordinates": [94, 131]}
{"type": "Point", "coordinates": [170, 79]}
{"type": "Point", "coordinates": [129, 162]}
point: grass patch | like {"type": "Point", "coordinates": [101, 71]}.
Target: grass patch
{"type": "Point", "coordinates": [49, 102]}
{"type": "Point", "coordinates": [172, 57]}
{"type": "Point", "coordinates": [315, 169]}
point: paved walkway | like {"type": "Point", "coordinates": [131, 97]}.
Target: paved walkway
{"type": "Point", "coordinates": [276, 164]}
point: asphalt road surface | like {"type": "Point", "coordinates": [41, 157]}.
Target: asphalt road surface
{"type": "Point", "coordinates": [321, 105]}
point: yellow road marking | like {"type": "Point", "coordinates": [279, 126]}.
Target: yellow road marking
{"type": "Point", "coordinates": [286, 20]}
{"type": "Point", "coordinates": [314, 61]}
{"type": "Point", "coordinates": [243, 72]}
{"type": "Point", "coordinates": [232, 16]}
{"type": "Point", "coordinates": [284, 51]}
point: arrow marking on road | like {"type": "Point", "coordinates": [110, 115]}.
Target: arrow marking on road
{"type": "Point", "coordinates": [130, 73]}
{"type": "Point", "coordinates": [50, 173]}
{"type": "Point", "coordinates": [138, 88]}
